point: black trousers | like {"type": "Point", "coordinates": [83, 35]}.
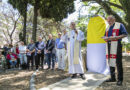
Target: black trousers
{"type": "Point", "coordinates": [8, 64]}
{"type": "Point", "coordinates": [118, 63]}
{"type": "Point", "coordinates": [30, 59]}
{"type": "Point", "coordinates": [39, 58]}
{"type": "Point", "coordinates": [18, 62]}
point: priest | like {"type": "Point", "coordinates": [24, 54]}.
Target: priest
{"type": "Point", "coordinates": [74, 39]}
{"type": "Point", "coordinates": [114, 34]}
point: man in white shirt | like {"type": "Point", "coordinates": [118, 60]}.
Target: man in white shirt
{"type": "Point", "coordinates": [22, 53]}
{"type": "Point", "coordinates": [60, 46]}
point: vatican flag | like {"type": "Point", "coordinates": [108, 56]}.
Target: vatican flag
{"type": "Point", "coordinates": [96, 46]}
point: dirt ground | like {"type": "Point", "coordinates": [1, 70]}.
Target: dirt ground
{"type": "Point", "coordinates": [49, 77]}
{"type": "Point", "coordinates": [126, 82]}
{"type": "Point", "coordinates": [15, 80]}
{"type": "Point", "coordinates": [19, 79]}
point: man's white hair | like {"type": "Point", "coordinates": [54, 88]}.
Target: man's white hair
{"type": "Point", "coordinates": [111, 17]}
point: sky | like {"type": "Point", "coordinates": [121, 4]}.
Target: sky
{"type": "Point", "coordinates": [74, 16]}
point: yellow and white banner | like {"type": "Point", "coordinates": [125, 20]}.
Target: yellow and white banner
{"type": "Point", "coordinates": [96, 46]}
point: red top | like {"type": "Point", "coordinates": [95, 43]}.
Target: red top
{"type": "Point", "coordinates": [17, 51]}
{"type": "Point", "coordinates": [9, 57]}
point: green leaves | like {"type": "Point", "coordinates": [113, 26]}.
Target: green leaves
{"type": "Point", "coordinates": [20, 5]}
{"type": "Point", "coordinates": [56, 9]}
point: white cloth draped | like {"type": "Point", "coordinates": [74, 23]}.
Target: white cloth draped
{"type": "Point", "coordinates": [96, 58]}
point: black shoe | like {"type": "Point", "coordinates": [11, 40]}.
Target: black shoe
{"type": "Point", "coordinates": [119, 83]}
{"type": "Point", "coordinates": [82, 76]}
{"type": "Point", "coordinates": [74, 76]}
{"type": "Point", "coordinates": [111, 80]}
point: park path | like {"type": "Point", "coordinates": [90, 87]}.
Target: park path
{"type": "Point", "coordinates": [92, 81]}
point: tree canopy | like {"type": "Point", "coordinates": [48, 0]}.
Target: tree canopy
{"type": "Point", "coordinates": [51, 9]}
{"type": "Point", "coordinates": [118, 8]}
{"type": "Point", "coordinates": [56, 9]}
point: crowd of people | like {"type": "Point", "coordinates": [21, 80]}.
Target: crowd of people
{"type": "Point", "coordinates": [67, 47]}
{"type": "Point", "coordinates": [36, 54]}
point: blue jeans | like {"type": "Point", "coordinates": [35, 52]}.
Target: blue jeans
{"type": "Point", "coordinates": [51, 59]}
{"type": "Point", "coordinates": [13, 63]}
{"type": "Point", "coordinates": [23, 58]}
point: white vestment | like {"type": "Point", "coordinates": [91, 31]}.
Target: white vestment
{"type": "Point", "coordinates": [74, 68]}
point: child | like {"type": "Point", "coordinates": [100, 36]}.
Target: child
{"type": "Point", "coordinates": [12, 58]}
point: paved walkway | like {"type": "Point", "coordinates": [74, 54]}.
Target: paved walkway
{"type": "Point", "coordinates": [91, 83]}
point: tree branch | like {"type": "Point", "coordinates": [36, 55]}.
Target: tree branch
{"type": "Point", "coordinates": [6, 38]}
{"type": "Point", "coordinates": [15, 22]}
{"type": "Point", "coordinates": [109, 11]}
{"type": "Point", "coordinates": [115, 5]}
{"type": "Point", "coordinates": [98, 11]}
{"type": "Point", "coordinates": [105, 5]}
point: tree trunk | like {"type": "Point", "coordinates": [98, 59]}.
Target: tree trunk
{"type": "Point", "coordinates": [11, 41]}
{"type": "Point", "coordinates": [34, 33]}
{"type": "Point", "coordinates": [24, 28]}
{"type": "Point", "coordinates": [126, 7]}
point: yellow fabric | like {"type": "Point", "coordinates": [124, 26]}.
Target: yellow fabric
{"type": "Point", "coordinates": [76, 50]}
{"type": "Point", "coordinates": [66, 62]}
{"type": "Point", "coordinates": [96, 30]}
{"type": "Point", "coordinates": [84, 62]}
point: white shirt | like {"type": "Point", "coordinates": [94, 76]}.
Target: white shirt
{"type": "Point", "coordinates": [64, 38]}
{"type": "Point", "coordinates": [22, 49]}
